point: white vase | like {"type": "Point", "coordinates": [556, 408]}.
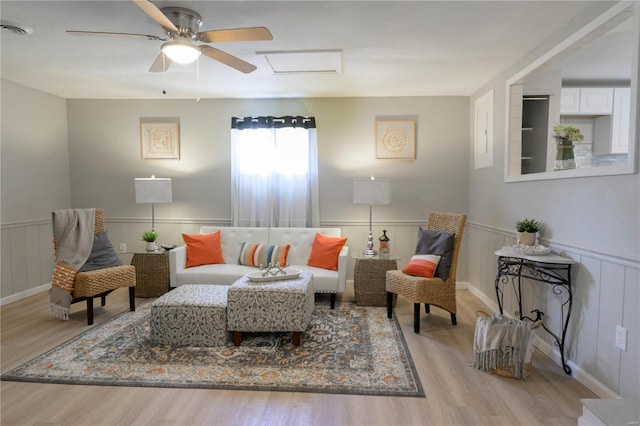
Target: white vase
{"type": "Point", "coordinates": [152, 246]}
{"type": "Point", "coordinates": [526, 238]}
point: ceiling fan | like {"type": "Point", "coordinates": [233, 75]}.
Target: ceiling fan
{"type": "Point", "coordinates": [181, 26]}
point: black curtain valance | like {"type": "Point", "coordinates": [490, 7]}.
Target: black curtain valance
{"type": "Point", "coordinates": [269, 122]}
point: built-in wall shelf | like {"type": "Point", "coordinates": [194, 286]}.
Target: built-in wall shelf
{"type": "Point", "coordinates": [535, 129]}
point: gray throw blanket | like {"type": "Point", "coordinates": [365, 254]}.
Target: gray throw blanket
{"type": "Point", "coordinates": [73, 232]}
{"type": "Point", "coordinates": [501, 342]}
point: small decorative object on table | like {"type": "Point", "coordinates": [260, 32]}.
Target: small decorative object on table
{"type": "Point", "coordinates": [384, 243]}
{"type": "Point", "coordinates": [537, 250]}
{"type": "Point", "coordinates": [150, 237]}
{"type": "Point", "coordinates": [272, 269]}
{"type": "Point", "coordinates": [527, 229]}
{"type": "Point", "coordinates": [273, 272]}
{"type": "Point", "coordinates": [259, 277]}
{"type": "Point", "coordinates": [566, 136]}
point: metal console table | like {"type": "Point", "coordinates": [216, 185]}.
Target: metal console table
{"type": "Point", "coordinates": [551, 269]}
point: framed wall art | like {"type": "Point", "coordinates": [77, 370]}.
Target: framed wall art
{"type": "Point", "coordinates": [160, 140]}
{"type": "Point", "coordinates": [396, 139]}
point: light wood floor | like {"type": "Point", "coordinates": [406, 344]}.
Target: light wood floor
{"type": "Point", "coordinates": [456, 393]}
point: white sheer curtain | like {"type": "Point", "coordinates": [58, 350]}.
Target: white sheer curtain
{"type": "Point", "coordinates": [274, 172]}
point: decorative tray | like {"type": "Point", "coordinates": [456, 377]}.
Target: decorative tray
{"type": "Point", "coordinates": [260, 277]}
{"type": "Point", "coordinates": [537, 250]}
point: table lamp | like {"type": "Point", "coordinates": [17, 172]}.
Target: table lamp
{"type": "Point", "coordinates": [153, 191]}
{"type": "Point", "coordinates": [372, 192]}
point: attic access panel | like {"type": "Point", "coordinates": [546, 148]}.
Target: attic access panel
{"type": "Point", "coordinates": [304, 61]}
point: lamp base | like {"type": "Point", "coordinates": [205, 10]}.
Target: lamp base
{"type": "Point", "coordinates": [370, 252]}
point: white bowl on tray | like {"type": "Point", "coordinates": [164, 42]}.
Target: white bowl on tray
{"type": "Point", "coordinates": [259, 276]}
{"type": "Point", "coordinates": [537, 250]}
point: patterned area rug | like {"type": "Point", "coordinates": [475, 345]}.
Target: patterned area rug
{"type": "Point", "coordinates": [350, 350]}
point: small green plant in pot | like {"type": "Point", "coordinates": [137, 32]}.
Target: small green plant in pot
{"type": "Point", "coordinates": [150, 237]}
{"type": "Point", "coordinates": [527, 229]}
{"type": "Point", "coordinates": [566, 136]}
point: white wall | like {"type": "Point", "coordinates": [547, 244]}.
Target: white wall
{"type": "Point", "coordinates": [594, 220]}
{"type": "Point", "coordinates": [35, 180]}
{"type": "Point", "coordinates": [104, 141]}
{"type": "Point", "coordinates": [35, 155]}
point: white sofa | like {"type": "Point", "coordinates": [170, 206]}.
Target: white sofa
{"type": "Point", "coordinates": [231, 238]}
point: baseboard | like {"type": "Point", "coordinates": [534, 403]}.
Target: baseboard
{"type": "Point", "coordinates": [553, 353]}
{"type": "Point", "coordinates": [23, 294]}
{"type": "Point", "coordinates": [462, 285]}
{"type": "Point", "coordinates": [491, 303]}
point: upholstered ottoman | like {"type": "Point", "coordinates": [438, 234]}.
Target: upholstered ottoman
{"type": "Point", "coordinates": [191, 315]}
{"type": "Point", "coordinates": [284, 305]}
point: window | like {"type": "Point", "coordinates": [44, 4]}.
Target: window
{"type": "Point", "coordinates": [274, 172]}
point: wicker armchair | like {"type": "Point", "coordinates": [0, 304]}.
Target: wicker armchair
{"type": "Point", "coordinates": [100, 282]}
{"type": "Point", "coordinates": [430, 291]}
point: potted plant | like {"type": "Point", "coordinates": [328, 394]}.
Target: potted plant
{"type": "Point", "coordinates": [566, 136]}
{"type": "Point", "coordinates": [150, 237]}
{"type": "Point", "coordinates": [527, 229]}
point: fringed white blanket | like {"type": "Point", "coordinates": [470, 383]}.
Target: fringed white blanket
{"type": "Point", "coordinates": [73, 233]}
{"type": "Point", "coordinates": [501, 342]}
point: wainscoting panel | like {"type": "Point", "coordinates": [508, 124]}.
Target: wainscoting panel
{"type": "Point", "coordinates": [583, 351]}
{"type": "Point", "coordinates": [27, 257]}
{"type": "Point", "coordinates": [629, 360]}
{"type": "Point", "coordinates": [611, 294]}
{"type": "Point", "coordinates": [605, 294]}
{"type": "Point", "coordinates": [33, 241]}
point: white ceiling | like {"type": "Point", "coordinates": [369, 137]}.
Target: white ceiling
{"type": "Point", "coordinates": [390, 48]}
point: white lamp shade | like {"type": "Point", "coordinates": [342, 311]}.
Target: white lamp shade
{"type": "Point", "coordinates": [372, 191]}
{"type": "Point", "coordinates": [153, 190]}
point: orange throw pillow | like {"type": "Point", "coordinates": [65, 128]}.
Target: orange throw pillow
{"type": "Point", "coordinates": [203, 249]}
{"type": "Point", "coordinates": [422, 265]}
{"type": "Point", "coordinates": [325, 251]}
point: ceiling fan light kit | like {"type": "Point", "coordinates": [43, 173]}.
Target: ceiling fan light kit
{"type": "Point", "coordinates": [181, 50]}
{"type": "Point", "coordinates": [181, 27]}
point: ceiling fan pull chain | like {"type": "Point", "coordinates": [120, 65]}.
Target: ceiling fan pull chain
{"type": "Point", "coordinates": [198, 79]}
{"type": "Point", "coordinates": [164, 72]}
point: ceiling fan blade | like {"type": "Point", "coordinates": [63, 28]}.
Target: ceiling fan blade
{"type": "Point", "coordinates": [161, 64]}
{"type": "Point", "coordinates": [157, 15]}
{"type": "Point", "coordinates": [100, 33]}
{"type": "Point", "coordinates": [228, 59]}
{"type": "Point", "coordinates": [236, 34]}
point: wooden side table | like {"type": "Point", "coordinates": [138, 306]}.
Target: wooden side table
{"type": "Point", "coordinates": [152, 273]}
{"type": "Point", "coordinates": [369, 279]}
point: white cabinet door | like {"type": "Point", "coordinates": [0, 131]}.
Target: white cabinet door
{"type": "Point", "coordinates": [570, 100]}
{"type": "Point", "coordinates": [596, 100]}
{"type": "Point", "coordinates": [620, 123]}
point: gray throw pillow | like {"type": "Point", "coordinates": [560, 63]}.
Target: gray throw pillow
{"type": "Point", "coordinates": [440, 244]}
{"type": "Point", "coordinates": [102, 254]}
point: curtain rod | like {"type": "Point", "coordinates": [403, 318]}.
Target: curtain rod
{"type": "Point", "coordinates": [272, 122]}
